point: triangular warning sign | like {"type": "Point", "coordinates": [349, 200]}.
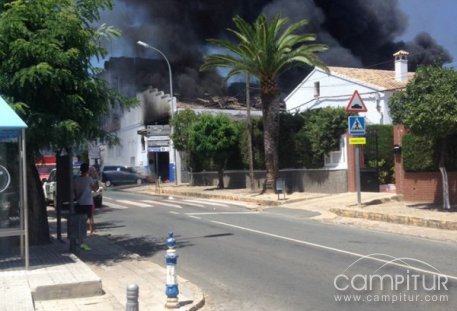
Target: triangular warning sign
{"type": "Point", "coordinates": [356, 104]}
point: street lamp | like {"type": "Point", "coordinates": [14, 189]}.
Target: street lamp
{"type": "Point", "coordinates": [172, 148]}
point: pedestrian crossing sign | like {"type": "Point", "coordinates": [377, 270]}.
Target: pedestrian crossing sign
{"type": "Point", "coordinates": [356, 125]}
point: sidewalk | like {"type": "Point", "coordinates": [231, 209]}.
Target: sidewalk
{"type": "Point", "coordinates": [96, 280]}
{"type": "Point", "coordinates": [118, 268]}
{"type": "Point", "coordinates": [53, 273]}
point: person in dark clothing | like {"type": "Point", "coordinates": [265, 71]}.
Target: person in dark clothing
{"type": "Point", "coordinates": [83, 187]}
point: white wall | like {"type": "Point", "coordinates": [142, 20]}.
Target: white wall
{"type": "Point", "coordinates": [337, 92]}
{"type": "Point", "coordinates": [130, 150]}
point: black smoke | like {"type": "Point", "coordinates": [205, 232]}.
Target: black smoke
{"type": "Point", "coordinates": [360, 33]}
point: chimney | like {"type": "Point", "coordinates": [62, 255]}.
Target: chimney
{"type": "Point", "coordinates": [401, 65]}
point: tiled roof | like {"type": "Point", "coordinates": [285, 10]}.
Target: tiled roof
{"type": "Point", "coordinates": [219, 103]}
{"type": "Point", "coordinates": [382, 79]}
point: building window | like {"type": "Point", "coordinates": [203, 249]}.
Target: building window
{"type": "Point", "coordinates": [333, 158]}
{"type": "Point", "coordinates": [317, 89]}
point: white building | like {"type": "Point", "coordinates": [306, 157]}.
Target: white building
{"type": "Point", "coordinates": [144, 153]}
{"type": "Point", "coordinates": [133, 148]}
{"type": "Point", "coordinates": [335, 89]}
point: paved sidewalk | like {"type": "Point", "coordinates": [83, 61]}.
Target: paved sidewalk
{"type": "Point", "coordinates": [53, 273]}
{"type": "Point", "coordinates": [118, 268]}
{"type": "Point", "coordinates": [94, 281]}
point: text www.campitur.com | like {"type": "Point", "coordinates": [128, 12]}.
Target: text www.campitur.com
{"type": "Point", "coordinates": [394, 298]}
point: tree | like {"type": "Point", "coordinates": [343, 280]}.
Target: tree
{"type": "Point", "coordinates": [428, 107]}
{"type": "Point", "coordinates": [46, 47]}
{"type": "Point", "coordinates": [265, 51]}
{"type": "Point", "coordinates": [214, 137]}
{"type": "Point", "coordinates": [182, 123]}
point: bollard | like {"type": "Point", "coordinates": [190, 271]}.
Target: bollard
{"type": "Point", "coordinates": [171, 259]}
{"type": "Point", "coordinates": [132, 298]}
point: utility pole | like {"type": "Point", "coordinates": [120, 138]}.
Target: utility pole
{"type": "Point", "coordinates": [251, 160]}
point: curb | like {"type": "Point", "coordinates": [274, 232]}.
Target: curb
{"type": "Point", "coordinates": [68, 291]}
{"type": "Point", "coordinates": [91, 285]}
{"type": "Point", "coordinates": [397, 219]}
{"type": "Point", "coordinates": [396, 198]}
{"type": "Point", "coordinates": [198, 300]}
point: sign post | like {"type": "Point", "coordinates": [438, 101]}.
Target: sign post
{"type": "Point", "coordinates": [356, 126]}
{"type": "Point", "coordinates": [357, 175]}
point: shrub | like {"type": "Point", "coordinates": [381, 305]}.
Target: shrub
{"type": "Point", "coordinates": [418, 154]}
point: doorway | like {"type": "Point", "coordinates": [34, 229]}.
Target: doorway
{"type": "Point", "coordinates": [158, 165]}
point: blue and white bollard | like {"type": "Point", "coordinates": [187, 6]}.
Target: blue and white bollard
{"type": "Point", "coordinates": [171, 259]}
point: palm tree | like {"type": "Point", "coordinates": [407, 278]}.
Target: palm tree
{"type": "Point", "coordinates": [265, 52]}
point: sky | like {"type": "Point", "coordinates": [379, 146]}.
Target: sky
{"type": "Point", "coordinates": [437, 17]}
{"type": "Point", "coordinates": [359, 33]}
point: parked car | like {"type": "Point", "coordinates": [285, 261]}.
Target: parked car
{"type": "Point", "coordinates": [50, 187]}
{"type": "Point", "coordinates": [120, 175]}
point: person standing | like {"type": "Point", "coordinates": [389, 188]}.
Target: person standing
{"type": "Point", "coordinates": [83, 186]}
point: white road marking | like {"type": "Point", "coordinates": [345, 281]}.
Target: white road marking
{"type": "Point", "coordinates": [337, 250]}
{"type": "Point", "coordinates": [195, 217]}
{"type": "Point", "coordinates": [128, 202]}
{"type": "Point", "coordinates": [115, 206]}
{"type": "Point", "coordinates": [163, 203]}
{"type": "Point", "coordinates": [193, 204]}
{"type": "Point", "coordinates": [207, 203]}
{"type": "Point", "coordinates": [173, 212]}
{"type": "Point", "coordinates": [221, 213]}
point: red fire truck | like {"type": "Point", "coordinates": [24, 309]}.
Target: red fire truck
{"type": "Point", "coordinates": [45, 165]}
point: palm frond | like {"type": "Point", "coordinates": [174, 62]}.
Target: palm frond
{"type": "Point", "coordinates": [263, 51]}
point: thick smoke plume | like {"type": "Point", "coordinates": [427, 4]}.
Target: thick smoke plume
{"type": "Point", "coordinates": [360, 33]}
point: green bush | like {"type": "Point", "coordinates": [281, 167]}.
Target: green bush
{"type": "Point", "coordinates": [289, 125]}
{"type": "Point", "coordinates": [319, 135]}
{"type": "Point", "coordinates": [418, 154]}
{"type": "Point", "coordinates": [304, 139]}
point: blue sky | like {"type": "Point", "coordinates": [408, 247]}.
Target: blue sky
{"type": "Point", "coordinates": [437, 17]}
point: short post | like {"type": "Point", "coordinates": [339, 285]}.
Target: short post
{"type": "Point", "coordinates": [158, 185]}
{"type": "Point", "coordinates": [280, 187]}
{"type": "Point", "coordinates": [171, 259]}
{"type": "Point", "coordinates": [132, 298]}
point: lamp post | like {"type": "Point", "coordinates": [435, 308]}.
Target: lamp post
{"type": "Point", "coordinates": [172, 147]}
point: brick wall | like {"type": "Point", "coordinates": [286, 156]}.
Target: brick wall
{"type": "Point", "coordinates": [420, 186]}
{"type": "Point", "coordinates": [427, 187]}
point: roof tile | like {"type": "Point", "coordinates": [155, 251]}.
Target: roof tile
{"type": "Point", "coordinates": [381, 79]}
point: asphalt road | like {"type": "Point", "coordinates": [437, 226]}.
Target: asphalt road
{"type": "Point", "coordinates": [282, 259]}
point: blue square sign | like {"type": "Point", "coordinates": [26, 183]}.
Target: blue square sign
{"type": "Point", "coordinates": [356, 125]}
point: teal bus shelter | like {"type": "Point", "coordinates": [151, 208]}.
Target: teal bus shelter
{"type": "Point", "coordinates": [13, 181]}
